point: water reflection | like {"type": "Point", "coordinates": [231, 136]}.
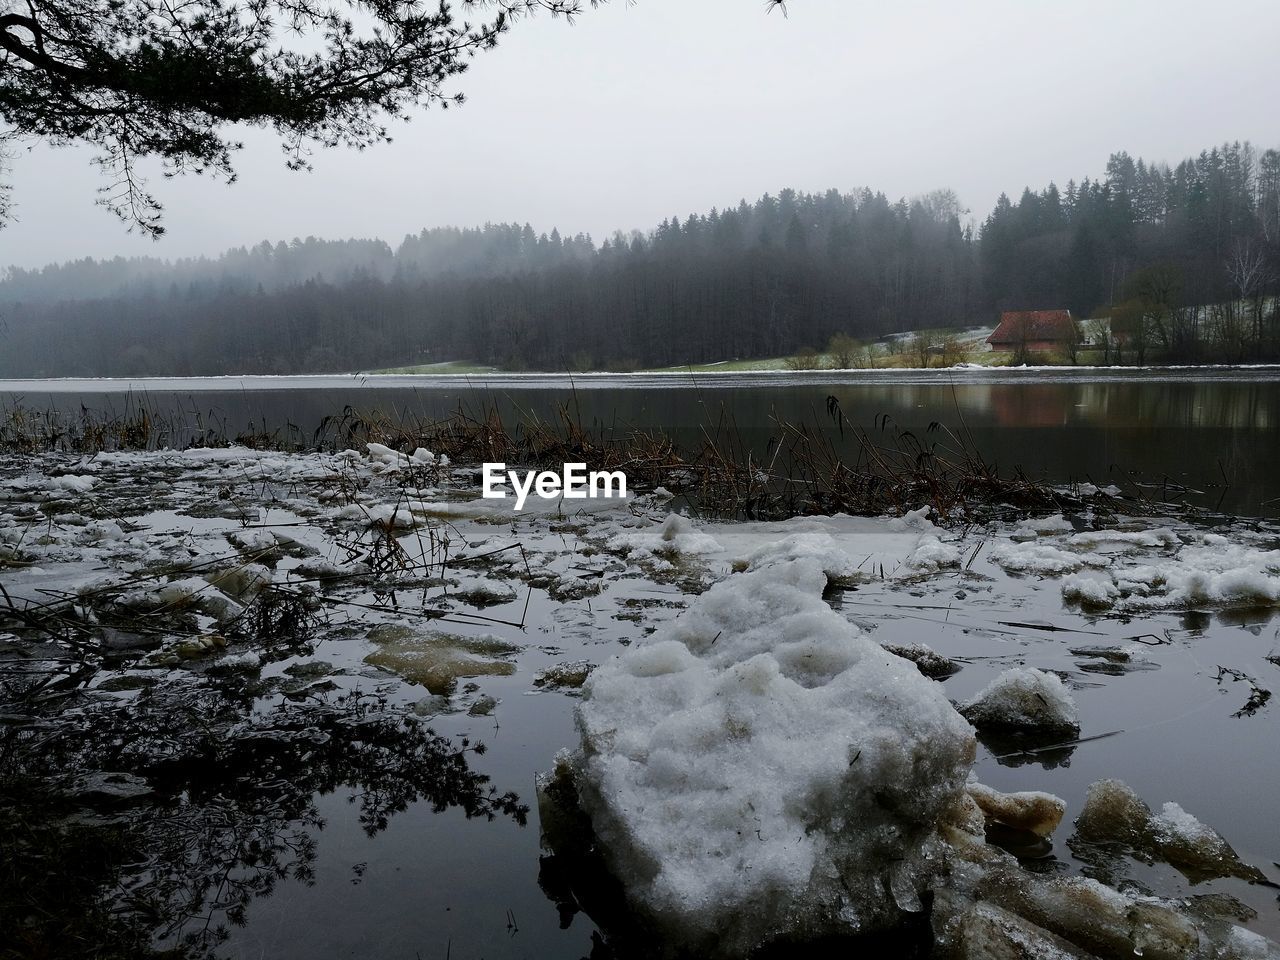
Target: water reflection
{"type": "Point", "coordinates": [1011, 750]}
{"type": "Point", "coordinates": [137, 827]}
{"type": "Point", "coordinates": [1207, 440]}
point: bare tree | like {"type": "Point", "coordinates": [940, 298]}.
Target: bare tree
{"type": "Point", "coordinates": [1249, 274]}
{"type": "Point", "coordinates": [1100, 336]}
{"type": "Point", "coordinates": [843, 350]}
{"type": "Point", "coordinates": [806, 358]}
{"type": "Point", "coordinates": [1071, 344]}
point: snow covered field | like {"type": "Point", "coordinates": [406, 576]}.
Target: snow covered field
{"type": "Point", "coordinates": [767, 725]}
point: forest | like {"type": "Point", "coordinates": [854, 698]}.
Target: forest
{"type": "Point", "coordinates": [1185, 259]}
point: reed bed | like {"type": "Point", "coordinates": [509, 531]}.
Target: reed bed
{"type": "Point", "coordinates": [828, 465]}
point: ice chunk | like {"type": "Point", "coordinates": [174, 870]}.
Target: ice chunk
{"type": "Point", "coordinates": [71, 484]}
{"type": "Point", "coordinates": [437, 660]}
{"type": "Point", "coordinates": [484, 592]}
{"type": "Point", "coordinates": [676, 535]}
{"type": "Point", "coordinates": [1114, 813]}
{"type": "Point", "coordinates": [244, 582]}
{"type": "Point", "coordinates": [241, 661]}
{"type": "Point", "coordinates": [914, 520]}
{"type": "Point", "coordinates": [763, 769]}
{"type": "Point", "coordinates": [931, 555]}
{"type": "Point", "coordinates": [1042, 558]}
{"type": "Point", "coordinates": [1044, 525]}
{"type": "Point", "coordinates": [257, 543]}
{"type": "Point", "coordinates": [818, 545]}
{"type": "Point", "coordinates": [982, 931]}
{"type": "Point", "coordinates": [1160, 537]}
{"type": "Point", "coordinates": [385, 456]}
{"type": "Point", "coordinates": [1069, 917]}
{"type": "Point", "coordinates": [1211, 571]}
{"type": "Point", "coordinates": [390, 516]}
{"type": "Point", "coordinates": [562, 676]}
{"type": "Point", "coordinates": [103, 530]}
{"type": "Point", "coordinates": [927, 661]}
{"type": "Point", "coordinates": [1092, 916]}
{"type": "Point", "coordinates": [1242, 944]}
{"type": "Point", "coordinates": [1024, 700]}
{"type": "Point", "coordinates": [318, 568]}
{"type": "Point", "coordinates": [1090, 591]}
{"type": "Point", "coordinates": [1031, 810]}
{"type": "Point", "coordinates": [1091, 490]}
{"type": "Point", "coordinates": [188, 593]}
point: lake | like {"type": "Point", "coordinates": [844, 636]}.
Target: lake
{"type": "Point", "coordinates": [1163, 691]}
{"type": "Point", "coordinates": [1206, 435]}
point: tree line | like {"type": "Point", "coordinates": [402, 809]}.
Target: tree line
{"type": "Point", "coordinates": [1184, 260]}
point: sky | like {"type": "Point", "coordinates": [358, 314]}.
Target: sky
{"type": "Point", "coordinates": [642, 111]}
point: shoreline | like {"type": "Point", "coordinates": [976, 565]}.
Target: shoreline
{"type": "Point", "coordinates": [959, 374]}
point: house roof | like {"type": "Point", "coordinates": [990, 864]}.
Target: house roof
{"type": "Point", "coordinates": [1025, 325]}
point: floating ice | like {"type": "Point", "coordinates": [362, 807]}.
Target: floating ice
{"type": "Point", "coordinates": [1024, 700]}
{"type": "Point", "coordinates": [1091, 490]}
{"type": "Point", "coordinates": [188, 593]}
{"type": "Point", "coordinates": [676, 535]}
{"type": "Point", "coordinates": [917, 519]}
{"type": "Point", "coordinates": [103, 530]}
{"type": "Point", "coordinates": [1160, 537]}
{"type": "Point", "coordinates": [1114, 813]}
{"type": "Point", "coordinates": [1072, 917]}
{"type": "Point", "coordinates": [1214, 573]}
{"type": "Point", "coordinates": [69, 483]}
{"type": "Point", "coordinates": [1090, 590]}
{"type": "Point", "coordinates": [390, 516]}
{"type": "Point", "coordinates": [241, 661]}
{"type": "Point", "coordinates": [319, 568]}
{"type": "Point", "coordinates": [437, 660]}
{"type": "Point", "coordinates": [385, 457]}
{"type": "Point", "coordinates": [927, 661]}
{"type": "Point", "coordinates": [484, 592]}
{"type": "Point", "coordinates": [982, 931]}
{"type": "Point", "coordinates": [244, 582]}
{"type": "Point", "coordinates": [763, 769]}
{"type": "Point", "coordinates": [1043, 525]}
{"type": "Point", "coordinates": [1031, 810]}
{"type": "Point", "coordinates": [818, 545]}
{"type": "Point", "coordinates": [257, 543]}
{"type": "Point", "coordinates": [931, 555]}
{"type": "Point", "coordinates": [1043, 558]}
{"type": "Point", "coordinates": [563, 676]}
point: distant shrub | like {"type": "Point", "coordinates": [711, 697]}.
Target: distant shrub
{"type": "Point", "coordinates": [806, 358]}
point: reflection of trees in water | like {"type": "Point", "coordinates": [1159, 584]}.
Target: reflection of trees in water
{"type": "Point", "coordinates": [146, 827]}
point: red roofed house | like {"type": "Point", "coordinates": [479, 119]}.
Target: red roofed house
{"type": "Point", "coordinates": [1034, 331]}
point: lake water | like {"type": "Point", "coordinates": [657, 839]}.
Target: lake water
{"type": "Point", "coordinates": [1205, 435]}
{"type": "Point", "coordinates": [433, 883]}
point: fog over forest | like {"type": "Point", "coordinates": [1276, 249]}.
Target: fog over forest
{"type": "Point", "coordinates": [1190, 253]}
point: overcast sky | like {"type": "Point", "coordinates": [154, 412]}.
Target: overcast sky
{"type": "Point", "coordinates": [636, 113]}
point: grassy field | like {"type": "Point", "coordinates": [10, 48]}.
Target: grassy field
{"type": "Point", "coordinates": [825, 362]}
{"type": "Point", "coordinates": [448, 366]}
{"type": "Point", "coordinates": [892, 355]}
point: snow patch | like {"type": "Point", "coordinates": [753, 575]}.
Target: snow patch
{"type": "Point", "coordinates": [1024, 699]}
{"type": "Point", "coordinates": [763, 768]}
{"type": "Point", "coordinates": [675, 535]}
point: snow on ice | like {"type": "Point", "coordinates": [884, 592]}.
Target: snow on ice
{"type": "Point", "coordinates": [764, 768]}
